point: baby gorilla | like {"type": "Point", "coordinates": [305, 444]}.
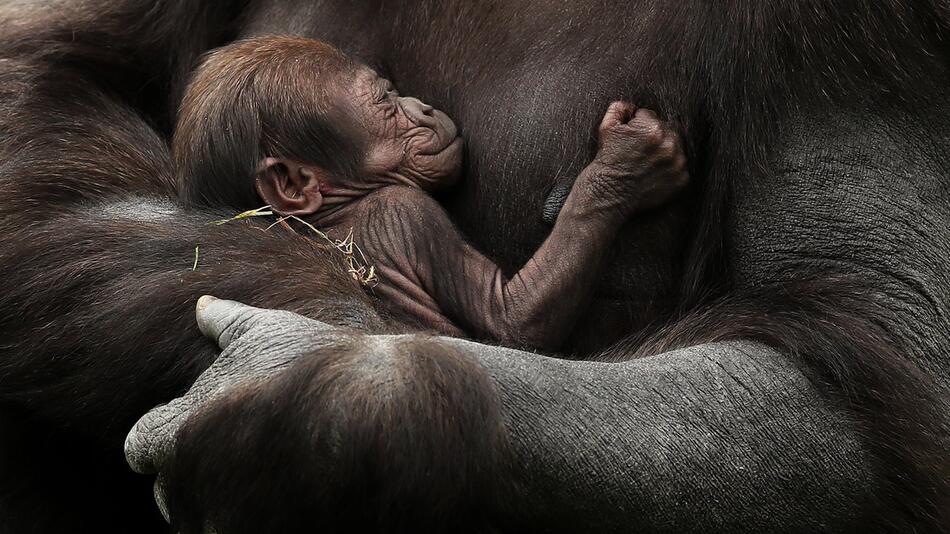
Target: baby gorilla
{"type": "Point", "coordinates": [298, 124]}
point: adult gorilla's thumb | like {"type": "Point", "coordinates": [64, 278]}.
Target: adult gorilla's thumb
{"type": "Point", "coordinates": [225, 320]}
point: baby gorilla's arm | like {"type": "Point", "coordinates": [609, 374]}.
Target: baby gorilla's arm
{"type": "Point", "coordinates": [427, 268]}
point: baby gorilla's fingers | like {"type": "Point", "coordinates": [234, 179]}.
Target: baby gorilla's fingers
{"type": "Point", "coordinates": [617, 113]}
{"type": "Point", "coordinates": [644, 114]}
{"type": "Point", "coordinates": [650, 130]}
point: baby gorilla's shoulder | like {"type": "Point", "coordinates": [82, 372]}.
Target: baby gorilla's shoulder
{"type": "Point", "coordinates": [405, 203]}
{"type": "Point", "coordinates": [401, 217]}
{"type": "Point", "coordinates": [396, 227]}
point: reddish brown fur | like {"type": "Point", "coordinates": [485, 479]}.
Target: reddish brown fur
{"type": "Point", "coordinates": [260, 97]}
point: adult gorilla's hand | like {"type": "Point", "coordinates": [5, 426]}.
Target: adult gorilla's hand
{"type": "Point", "coordinates": [294, 416]}
{"type": "Point", "coordinates": [256, 344]}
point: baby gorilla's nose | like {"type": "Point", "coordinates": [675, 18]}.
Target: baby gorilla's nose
{"type": "Point", "coordinates": [418, 111]}
{"type": "Point", "coordinates": [426, 109]}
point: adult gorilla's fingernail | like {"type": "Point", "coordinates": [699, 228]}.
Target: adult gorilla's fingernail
{"type": "Point", "coordinates": [204, 302]}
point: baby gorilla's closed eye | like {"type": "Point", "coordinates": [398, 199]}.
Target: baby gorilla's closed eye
{"type": "Point", "coordinates": [332, 142]}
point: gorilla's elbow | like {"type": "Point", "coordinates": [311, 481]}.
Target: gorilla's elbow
{"type": "Point", "coordinates": [389, 434]}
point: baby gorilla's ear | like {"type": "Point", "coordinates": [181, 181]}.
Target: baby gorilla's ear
{"type": "Point", "coordinates": [290, 187]}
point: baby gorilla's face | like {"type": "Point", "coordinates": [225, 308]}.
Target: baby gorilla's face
{"type": "Point", "coordinates": [409, 142]}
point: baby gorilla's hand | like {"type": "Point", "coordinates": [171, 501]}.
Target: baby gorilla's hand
{"type": "Point", "coordinates": [640, 163]}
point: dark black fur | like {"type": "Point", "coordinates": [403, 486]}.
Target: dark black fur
{"type": "Point", "coordinates": [143, 50]}
{"type": "Point", "coordinates": [97, 308]}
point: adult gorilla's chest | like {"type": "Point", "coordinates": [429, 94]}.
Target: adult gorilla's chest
{"type": "Point", "coordinates": [527, 82]}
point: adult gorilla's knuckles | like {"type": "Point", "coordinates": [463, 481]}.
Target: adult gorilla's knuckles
{"type": "Point", "coordinates": [251, 323]}
{"type": "Point", "coordinates": [152, 438]}
{"type": "Point", "coordinates": [242, 365]}
{"type": "Point", "coordinates": [344, 439]}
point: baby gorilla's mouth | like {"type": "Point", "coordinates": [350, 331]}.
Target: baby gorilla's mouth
{"type": "Point", "coordinates": [434, 151]}
{"type": "Point", "coordinates": [440, 164]}
{"type": "Point", "coordinates": [446, 133]}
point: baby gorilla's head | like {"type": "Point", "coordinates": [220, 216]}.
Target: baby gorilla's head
{"type": "Point", "coordinates": [297, 123]}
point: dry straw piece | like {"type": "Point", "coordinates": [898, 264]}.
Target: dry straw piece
{"type": "Point", "coordinates": [353, 258]}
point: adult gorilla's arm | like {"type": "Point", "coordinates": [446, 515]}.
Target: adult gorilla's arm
{"type": "Point", "coordinates": [726, 437]}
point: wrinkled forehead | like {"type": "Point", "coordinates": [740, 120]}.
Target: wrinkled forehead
{"type": "Point", "coordinates": [348, 102]}
{"type": "Point", "coordinates": [336, 88]}
{"type": "Point", "coordinates": [359, 91]}
{"type": "Point", "coordinates": [365, 82]}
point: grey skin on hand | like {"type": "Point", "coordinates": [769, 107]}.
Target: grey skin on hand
{"type": "Point", "coordinates": [235, 327]}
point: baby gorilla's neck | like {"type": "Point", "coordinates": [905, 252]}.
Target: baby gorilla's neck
{"type": "Point", "coordinates": [342, 203]}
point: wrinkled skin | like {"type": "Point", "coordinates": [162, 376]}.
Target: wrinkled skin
{"type": "Point", "coordinates": [422, 148]}
{"type": "Point", "coordinates": [782, 227]}
{"type": "Point", "coordinates": [525, 131]}
{"type": "Point", "coordinates": [749, 425]}
{"type": "Point", "coordinates": [247, 334]}
{"type": "Point", "coordinates": [788, 406]}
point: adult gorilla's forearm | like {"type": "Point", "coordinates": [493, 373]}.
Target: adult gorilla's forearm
{"type": "Point", "coordinates": [727, 437]}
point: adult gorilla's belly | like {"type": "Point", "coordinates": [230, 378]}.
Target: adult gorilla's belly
{"type": "Point", "coordinates": [527, 97]}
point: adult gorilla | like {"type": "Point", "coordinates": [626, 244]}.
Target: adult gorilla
{"type": "Point", "coordinates": [808, 295]}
